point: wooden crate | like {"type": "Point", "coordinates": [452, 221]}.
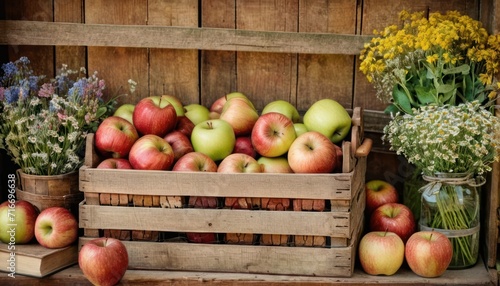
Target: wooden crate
{"type": "Point", "coordinates": [341, 224]}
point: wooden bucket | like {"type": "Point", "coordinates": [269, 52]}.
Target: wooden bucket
{"type": "Point", "coordinates": [50, 191]}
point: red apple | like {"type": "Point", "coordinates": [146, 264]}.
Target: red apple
{"type": "Point", "coordinates": [17, 221]}
{"type": "Point", "coordinates": [180, 143]}
{"type": "Point", "coordinates": [239, 163]}
{"type": "Point", "coordinates": [312, 152]}
{"type": "Point", "coordinates": [379, 192]}
{"type": "Point", "coordinates": [381, 253]}
{"type": "Point", "coordinates": [428, 253]}
{"type": "Point", "coordinates": [273, 134]}
{"type": "Point", "coordinates": [240, 114]}
{"type": "Point", "coordinates": [154, 115]}
{"type": "Point", "coordinates": [103, 261]}
{"type": "Point", "coordinates": [151, 152]}
{"type": "Point", "coordinates": [195, 162]}
{"type": "Point", "coordinates": [184, 125]}
{"type": "Point", "coordinates": [218, 104]}
{"type": "Point", "coordinates": [274, 165]}
{"type": "Point", "coordinates": [115, 136]}
{"type": "Point", "coordinates": [243, 144]}
{"type": "Point", "coordinates": [114, 163]}
{"type": "Point", "coordinates": [393, 217]}
{"type": "Point", "coordinates": [56, 227]}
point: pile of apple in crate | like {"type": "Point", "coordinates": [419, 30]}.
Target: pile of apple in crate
{"type": "Point", "coordinates": [227, 187]}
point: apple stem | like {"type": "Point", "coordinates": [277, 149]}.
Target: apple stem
{"type": "Point", "coordinates": [386, 231]}
{"type": "Point", "coordinates": [209, 123]}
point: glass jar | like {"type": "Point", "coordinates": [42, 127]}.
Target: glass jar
{"type": "Point", "coordinates": [450, 205]}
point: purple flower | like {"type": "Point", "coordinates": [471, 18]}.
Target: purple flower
{"type": "Point", "coordinates": [9, 69]}
{"type": "Point", "coordinates": [12, 94]}
{"type": "Point", "coordinates": [47, 90]}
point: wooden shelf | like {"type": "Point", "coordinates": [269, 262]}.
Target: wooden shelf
{"type": "Point", "coordinates": [478, 275]}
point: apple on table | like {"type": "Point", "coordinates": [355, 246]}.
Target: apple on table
{"type": "Point", "coordinates": [103, 261]}
{"type": "Point", "coordinates": [381, 252]}
{"type": "Point", "coordinates": [428, 253]}
{"type": "Point", "coordinates": [17, 221]}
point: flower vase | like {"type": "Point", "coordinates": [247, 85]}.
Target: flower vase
{"type": "Point", "coordinates": [50, 191]}
{"type": "Point", "coordinates": [450, 204]}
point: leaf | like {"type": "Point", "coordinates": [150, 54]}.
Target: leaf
{"type": "Point", "coordinates": [391, 109]}
{"type": "Point", "coordinates": [445, 88]}
{"type": "Point", "coordinates": [463, 69]}
{"type": "Point", "coordinates": [424, 95]}
{"type": "Point", "coordinates": [401, 100]}
{"type": "Point", "coordinates": [101, 111]}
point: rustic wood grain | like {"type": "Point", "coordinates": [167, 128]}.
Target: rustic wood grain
{"type": "Point", "coordinates": [326, 75]}
{"type": "Point", "coordinates": [41, 57]}
{"type": "Point", "coordinates": [73, 56]}
{"type": "Point", "coordinates": [218, 68]}
{"type": "Point", "coordinates": [174, 71]}
{"type": "Point", "coordinates": [117, 65]}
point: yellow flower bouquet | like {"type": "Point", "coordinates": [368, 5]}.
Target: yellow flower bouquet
{"type": "Point", "coordinates": [445, 59]}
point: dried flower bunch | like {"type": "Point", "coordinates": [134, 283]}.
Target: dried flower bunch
{"type": "Point", "coordinates": [447, 139]}
{"type": "Point", "coordinates": [445, 59]}
{"type": "Point", "coordinates": [43, 124]}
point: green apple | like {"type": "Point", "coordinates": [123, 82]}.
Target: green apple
{"type": "Point", "coordinates": [218, 104]}
{"type": "Point", "coordinates": [274, 164]}
{"type": "Point", "coordinates": [283, 107]}
{"type": "Point", "coordinates": [176, 102]}
{"type": "Point", "coordinates": [214, 138]}
{"type": "Point", "coordinates": [125, 111]}
{"type": "Point", "coordinates": [300, 128]}
{"type": "Point", "coordinates": [329, 118]}
{"type": "Point", "coordinates": [196, 113]}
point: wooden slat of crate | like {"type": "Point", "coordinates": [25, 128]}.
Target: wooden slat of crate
{"type": "Point", "coordinates": [337, 224]}
{"type": "Point", "coordinates": [241, 258]}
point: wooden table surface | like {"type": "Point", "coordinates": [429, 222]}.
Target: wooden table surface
{"type": "Point", "coordinates": [478, 275]}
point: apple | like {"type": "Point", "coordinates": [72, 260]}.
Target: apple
{"type": "Point", "coordinates": [340, 159]}
{"type": "Point", "coordinates": [300, 128]}
{"type": "Point", "coordinates": [283, 107]}
{"type": "Point", "coordinates": [177, 103]}
{"type": "Point", "coordinates": [56, 227]}
{"type": "Point", "coordinates": [218, 104]}
{"type": "Point", "coordinates": [114, 163]}
{"type": "Point", "coordinates": [17, 221]}
{"type": "Point", "coordinates": [239, 163]}
{"type": "Point", "coordinates": [154, 115]}
{"type": "Point", "coordinates": [114, 137]}
{"type": "Point", "coordinates": [379, 192]}
{"type": "Point", "coordinates": [195, 162]}
{"type": "Point", "coordinates": [243, 144]}
{"type": "Point", "coordinates": [184, 125]}
{"type": "Point", "coordinates": [180, 143]}
{"type": "Point", "coordinates": [312, 152]}
{"type": "Point", "coordinates": [329, 118]}
{"type": "Point", "coordinates": [125, 111]}
{"type": "Point", "coordinates": [428, 253]}
{"type": "Point", "coordinates": [103, 261]}
{"type": "Point", "coordinates": [196, 113]}
{"type": "Point", "coordinates": [272, 135]}
{"type": "Point", "coordinates": [393, 217]}
{"type": "Point", "coordinates": [214, 137]}
{"type": "Point", "coordinates": [274, 165]}
{"type": "Point", "coordinates": [151, 152]}
{"type": "Point", "coordinates": [381, 253]}
{"type": "Point", "coordinates": [240, 114]}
